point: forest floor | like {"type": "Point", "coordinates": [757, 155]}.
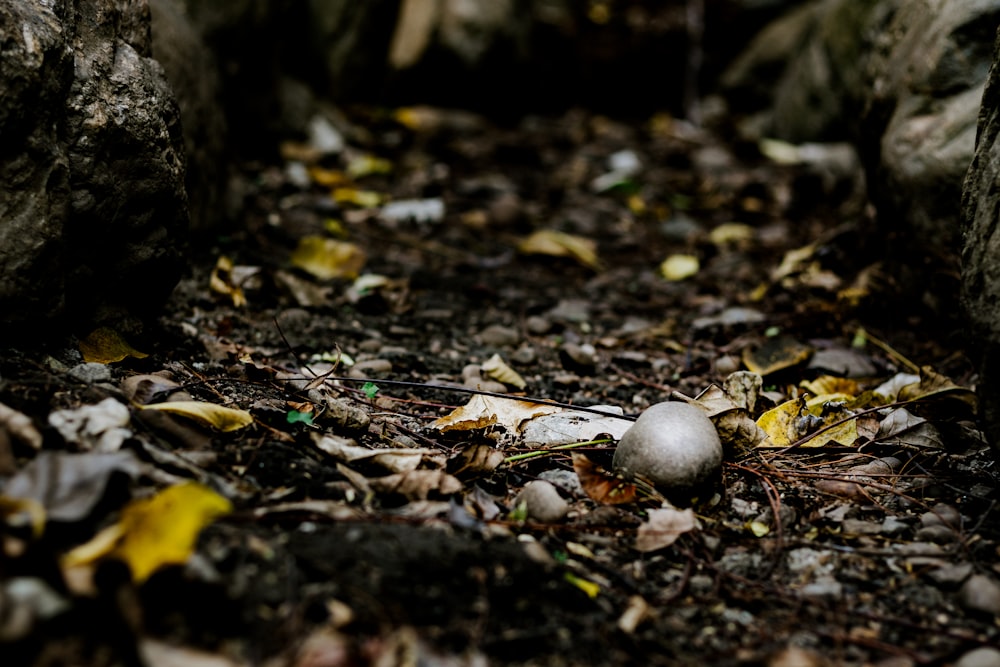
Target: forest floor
{"type": "Point", "coordinates": [350, 511]}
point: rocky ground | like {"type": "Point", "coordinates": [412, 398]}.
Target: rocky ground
{"type": "Point", "coordinates": [350, 511]}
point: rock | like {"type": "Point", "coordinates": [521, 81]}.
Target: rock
{"type": "Point", "coordinates": [93, 210]}
{"type": "Point", "coordinates": [980, 280]}
{"type": "Point", "coordinates": [580, 359]}
{"type": "Point", "coordinates": [980, 593]}
{"type": "Point", "coordinates": [497, 335]}
{"type": "Point", "coordinates": [542, 502]}
{"type": "Point", "coordinates": [672, 444]}
{"type": "Point", "coordinates": [979, 657]}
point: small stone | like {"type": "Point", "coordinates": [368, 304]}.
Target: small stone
{"type": "Point", "coordinates": [673, 444]}
{"type": "Point", "coordinates": [538, 325]}
{"type": "Point", "coordinates": [980, 593]}
{"type": "Point", "coordinates": [938, 534]}
{"type": "Point", "coordinates": [524, 356]}
{"type": "Point", "coordinates": [951, 574]}
{"type": "Point", "coordinates": [893, 526]}
{"type": "Point", "coordinates": [979, 657]}
{"type": "Point", "coordinates": [942, 514]}
{"type": "Point", "coordinates": [542, 502]}
{"type": "Point", "coordinates": [498, 335]}
{"type": "Point", "coordinates": [91, 373]}
{"type": "Point", "coordinates": [371, 368]}
{"type": "Point", "coordinates": [581, 359]}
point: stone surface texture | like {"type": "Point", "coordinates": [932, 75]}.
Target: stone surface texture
{"type": "Point", "coordinates": [93, 210]}
{"type": "Point", "coordinates": [981, 253]}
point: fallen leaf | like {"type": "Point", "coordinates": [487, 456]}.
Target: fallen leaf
{"type": "Point", "coordinates": [478, 458]}
{"type": "Point", "coordinates": [69, 486]}
{"type": "Point", "coordinates": [360, 198]}
{"type": "Point", "coordinates": [663, 527]}
{"type": "Point", "coordinates": [218, 417]}
{"type": "Point", "coordinates": [106, 346]}
{"type": "Point", "coordinates": [560, 244]}
{"type": "Point", "coordinates": [155, 532]}
{"type": "Point", "coordinates": [497, 369]}
{"type": "Point", "coordinates": [776, 354]}
{"type": "Point", "coordinates": [327, 258]}
{"type": "Point", "coordinates": [19, 427]}
{"type": "Point", "coordinates": [393, 460]}
{"type": "Point", "coordinates": [221, 282]}
{"type": "Point", "coordinates": [417, 484]}
{"type": "Point", "coordinates": [602, 485]}
{"type": "Point", "coordinates": [484, 411]}
{"type": "Point", "coordinates": [567, 426]}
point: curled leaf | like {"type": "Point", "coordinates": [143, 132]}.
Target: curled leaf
{"type": "Point", "coordinates": [560, 244]}
{"type": "Point", "coordinates": [217, 416]}
{"type": "Point", "coordinates": [497, 369]}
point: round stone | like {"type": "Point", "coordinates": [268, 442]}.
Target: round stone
{"type": "Point", "coordinates": [542, 502]}
{"type": "Point", "coordinates": [674, 445]}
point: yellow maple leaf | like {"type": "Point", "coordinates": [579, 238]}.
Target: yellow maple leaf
{"type": "Point", "coordinates": [155, 532]}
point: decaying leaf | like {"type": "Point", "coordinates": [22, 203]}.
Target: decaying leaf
{"type": "Point", "coordinates": [393, 460]}
{"type": "Point", "coordinates": [154, 532]}
{"type": "Point", "coordinates": [497, 369]}
{"type": "Point", "coordinates": [359, 198]}
{"type": "Point", "coordinates": [567, 426]}
{"type": "Point", "coordinates": [69, 486]}
{"type": "Point", "coordinates": [417, 484]}
{"type": "Point", "coordinates": [776, 354]}
{"type": "Point", "coordinates": [327, 258]}
{"type": "Point", "coordinates": [602, 485]}
{"type": "Point", "coordinates": [901, 427]}
{"type": "Point", "coordinates": [100, 428]}
{"type": "Point", "coordinates": [792, 421]}
{"type": "Point", "coordinates": [217, 416]}
{"type": "Point", "coordinates": [560, 244]}
{"type": "Point", "coordinates": [937, 386]}
{"type": "Point", "coordinates": [106, 346]}
{"type": "Point", "coordinates": [478, 458]}
{"type": "Point", "coordinates": [663, 527]}
{"type": "Point", "coordinates": [484, 411]}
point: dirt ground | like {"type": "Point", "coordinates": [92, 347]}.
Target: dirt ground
{"type": "Point", "coordinates": [331, 556]}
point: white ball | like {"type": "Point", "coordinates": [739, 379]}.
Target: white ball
{"type": "Point", "coordinates": [674, 445]}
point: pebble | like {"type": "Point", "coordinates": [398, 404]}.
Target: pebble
{"type": "Point", "coordinates": [673, 444]}
{"type": "Point", "coordinates": [980, 593]}
{"type": "Point", "coordinates": [942, 514]}
{"type": "Point", "coordinates": [91, 373]}
{"type": "Point", "coordinates": [939, 534]}
{"type": "Point", "coordinates": [951, 574]}
{"type": "Point", "coordinates": [570, 310]}
{"type": "Point", "coordinates": [371, 368]}
{"type": "Point", "coordinates": [980, 657]}
{"type": "Point", "coordinates": [538, 325]}
{"type": "Point", "coordinates": [498, 335]}
{"type": "Point", "coordinates": [525, 355]}
{"type": "Point", "coordinates": [542, 502]}
{"type": "Point", "coordinates": [581, 359]}
{"type": "Point", "coordinates": [567, 480]}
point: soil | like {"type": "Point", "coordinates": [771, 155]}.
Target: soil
{"type": "Point", "coordinates": [327, 560]}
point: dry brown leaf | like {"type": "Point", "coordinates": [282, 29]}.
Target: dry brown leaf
{"type": "Point", "coordinates": [663, 527]}
{"type": "Point", "coordinates": [417, 484]}
{"type": "Point", "coordinates": [484, 411]}
{"type": "Point", "coordinates": [559, 244]}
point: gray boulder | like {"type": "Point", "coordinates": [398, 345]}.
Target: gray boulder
{"type": "Point", "coordinates": [93, 210]}
{"type": "Point", "coordinates": [981, 253]}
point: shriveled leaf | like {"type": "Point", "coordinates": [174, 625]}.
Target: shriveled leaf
{"type": "Point", "coordinates": [777, 354]}
{"type": "Point", "coordinates": [560, 244]}
{"type": "Point", "coordinates": [937, 386]}
{"type": "Point", "coordinates": [327, 258]}
{"type": "Point", "coordinates": [366, 165]}
{"type": "Point", "coordinates": [222, 282]}
{"type": "Point", "coordinates": [679, 267]}
{"type": "Point", "coordinates": [478, 458]}
{"type": "Point", "coordinates": [829, 384]}
{"type": "Point", "coordinates": [792, 422]}
{"type": "Point", "coordinates": [155, 532]}
{"type": "Point", "coordinates": [393, 460]}
{"type": "Point", "coordinates": [417, 484]}
{"type": "Point", "coordinates": [663, 527]}
{"type": "Point", "coordinates": [100, 428]}
{"type": "Point", "coordinates": [217, 416]}
{"type": "Point", "coordinates": [794, 261]}
{"type": "Point", "coordinates": [780, 422]}
{"type": "Point", "coordinates": [901, 427]}
{"type": "Point", "coordinates": [497, 369]}
{"type": "Point", "coordinates": [69, 486]}
{"type": "Point", "coordinates": [484, 411]}
{"type": "Point", "coordinates": [891, 388]}
{"type": "Point", "coordinates": [104, 345]}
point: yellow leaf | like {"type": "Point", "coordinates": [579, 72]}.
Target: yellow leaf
{"type": "Point", "coordinates": [590, 588]}
{"type": "Point", "coordinates": [779, 422]}
{"type": "Point", "coordinates": [328, 178]}
{"type": "Point", "coordinates": [732, 234]}
{"type": "Point", "coordinates": [679, 267]}
{"type": "Point", "coordinates": [758, 528]}
{"type": "Point", "coordinates": [218, 417]}
{"type": "Point", "coordinates": [362, 198]}
{"type": "Point", "coordinates": [327, 258]}
{"type": "Point", "coordinates": [222, 282]}
{"type": "Point", "coordinates": [105, 346]}
{"type": "Point", "coordinates": [497, 369]}
{"type": "Point", "coordinates": [365, 165]}
{"type": "Point", "coordinates": [154, 532]}
{"type": "Point", "coordinates": [559, 244]}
